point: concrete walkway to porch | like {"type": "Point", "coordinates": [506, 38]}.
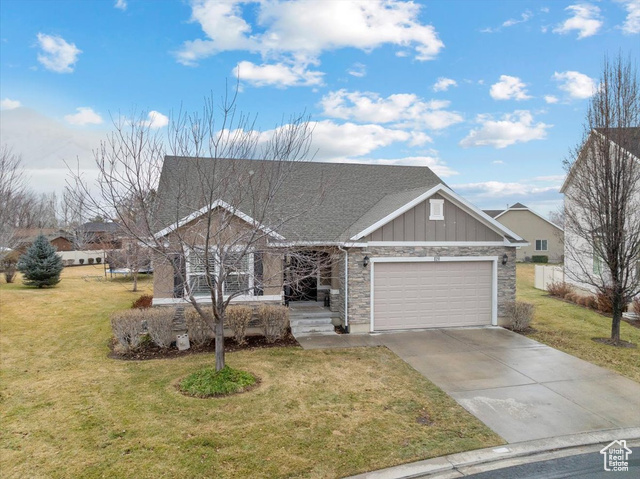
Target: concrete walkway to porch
{"type": "Point", "coordinates": [522, 389]}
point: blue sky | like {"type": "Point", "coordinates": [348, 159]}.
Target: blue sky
{"type": "Point", "coordinates": [490, 94]}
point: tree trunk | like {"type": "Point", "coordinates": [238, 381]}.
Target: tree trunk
{"type": "Point", "coordinates": [617, 306]}
{"type": "Point", "coordinates": [135, 282]}
{"type": "Point", "coordinates": [219, 344]}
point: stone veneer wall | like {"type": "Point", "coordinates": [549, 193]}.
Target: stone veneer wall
{"type": "Point", "coordinates": [360, 278]}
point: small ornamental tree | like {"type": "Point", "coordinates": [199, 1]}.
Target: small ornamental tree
{"type": "Point", "coordinates": [40, 265]}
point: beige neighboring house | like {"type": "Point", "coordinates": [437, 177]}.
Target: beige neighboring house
{"type": "Point", "coordinates": [544, 237]}
{"type": "Point", "coordinates": [407, 251]}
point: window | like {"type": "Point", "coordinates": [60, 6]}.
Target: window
{"type": "Point", "coordinates": [238, 272]}
{"type": "Point", "coordinates": [436, 210]}
{"type": "Point", "coordinates": [541, 245]}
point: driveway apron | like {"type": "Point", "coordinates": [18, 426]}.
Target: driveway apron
{"type": "Point", "coordinates": [521, 389]}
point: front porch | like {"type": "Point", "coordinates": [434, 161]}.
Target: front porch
{"type": "Point", "coordinates": [311, 318]}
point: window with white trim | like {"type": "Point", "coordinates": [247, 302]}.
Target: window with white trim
{"type": "Point", "coordinates": [238, 272]}
{"type": "Point", "coordinates": [436, 210]}
{"type": "Point", "coordinates": [541, 245]}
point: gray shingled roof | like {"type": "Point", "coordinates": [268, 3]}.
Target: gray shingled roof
{"type": "Point", "coordinates": [517, 205]}
{"type": "Point", "coordinates": [493, 213]}
{"type": "Point", "coordinates": [627, 138]}
{"type": "Point", "coordinates": [352, 195]}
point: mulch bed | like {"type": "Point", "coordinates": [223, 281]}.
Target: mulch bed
{"type": "Point", "coordinates": [154, 352]}
{"type": "Point", "coordinates": [618, 344]}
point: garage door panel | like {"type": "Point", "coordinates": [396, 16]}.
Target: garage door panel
{"type": "Point", "coordinates": [432, 294]}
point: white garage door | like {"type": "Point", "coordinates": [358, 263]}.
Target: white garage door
{"type": "Point", "coordinates": [432, 294]}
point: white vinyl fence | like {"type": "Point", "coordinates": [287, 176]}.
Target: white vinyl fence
{"type": "Point", "coordinates": [545, 275]}
{"type": "Point", "coordinates": [76, 256]}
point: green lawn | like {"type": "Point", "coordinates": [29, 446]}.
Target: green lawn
{"type": "Point", "coordinates": [69, 411]}
{"type": "Point", "coordinates": [569, 327]}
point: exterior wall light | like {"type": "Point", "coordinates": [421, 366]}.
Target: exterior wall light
{"type": "Point", "coordinates": [365, 262]}
{"type": "Point", "coordinates": [505, 258]}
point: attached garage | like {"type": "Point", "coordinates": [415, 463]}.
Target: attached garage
{"type": "Point", "coordinates": [416, 294]}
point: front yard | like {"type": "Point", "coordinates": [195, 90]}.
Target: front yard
{"type": "Point", "coordinates": [569, 327]}
{"type": "Point", "coordinates": [69, 411]}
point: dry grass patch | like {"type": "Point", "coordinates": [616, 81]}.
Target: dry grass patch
{"type": "Point", "coordinates": [571, 328]}
{"type": "Point", "coordinates": [69, 411]}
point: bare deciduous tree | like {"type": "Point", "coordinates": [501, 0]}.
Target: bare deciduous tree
{"type": "Point", "coordinates": [12, 190]}
{"type": "Point", "coordinates": [232, 208]}
{"type": "Point", "coordinates": [602, 202]}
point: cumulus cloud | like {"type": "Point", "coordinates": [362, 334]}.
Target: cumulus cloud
{"type": "Point", "coordinates": [509, 88]}
{"type": "Point", "coordinates": [9, 104]}
{"type": "Point", "coordinates": [551, 99]}
{"type": "Point", "coordinates": [156, 120]}
{"type": "Point", "coordinates": [357, 70]}
{"type": "Point", "coordinates": [298, 32]}
{"type": "Point", "coordinates": [585, 19]}
{"type": "Point", "coordinates": [516, 127]}
{"type": "Point", "coordinates": [443, 84]}
{"type": "Point", "coordinates": [279, 74]}
{"type": "Point", "coordinates": [400, 109]}
{"type": "Point", "coordinates": [576, 84]}
{"type": "Point", "coordinates": [84, 116]}
{"type": "Point", "coordinates": [56, 54]}
{"type": "Point", "coordinates": [121, 4]}
{"type": "Point", "coordinates": [631, 25]}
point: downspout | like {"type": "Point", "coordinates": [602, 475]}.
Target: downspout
{"type": "Point", "coordinates": [346, 287]}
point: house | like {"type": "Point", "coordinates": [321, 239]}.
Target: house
{"type": "Point", "coordinates": [95, 235]}
{"type": "Point", "coordinates": [620, 144]}
{"type": "Point", "coordinates": [405, 250]}
{"type": "Point", "coordinates": [60, 239]}
{"type": "Point", "coordinates": [545, 238]}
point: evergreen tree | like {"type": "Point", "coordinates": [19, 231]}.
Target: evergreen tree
{"type": "Point", "coordinates": [40, 265]}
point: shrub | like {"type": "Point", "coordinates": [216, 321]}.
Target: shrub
{"type": "Point", "coordinates": [274, 321]}
{"type": "Point", "coordinates": [590, 302]}
{"type": "Point", "coordinates": [541, 258]}
{"type": "Point", "coordinates": [603, 303]}
{"type": "Point", "coordinates": [199, 331]}
{"type": "Point", "coordinates": [572, 297]}
{"type": "Point", "coordinates": [90, 260]}
{"type": "Point", "coordinates": [636, 306]}
{"type": "Point", "coordinates": [559, 289]}
{"type": "Point", "coordinates": [144, 301]}
{"type": "Point", "coordinates": [520, 314]}
{"type": "Point", "coordinates": [40, 265]}
{"type": "Point", "coordinates": [81, 261]}
{"type": "Point", "coordinates": [70, 262]}
{"type": "Point", "coordinates": [98, 260]}
{"type": "Point", "coordinates": [208, 382]}
{"type": "Point", "coordinates": [129, 327]}
{"type": "Point", "coordinates": [237, 318]}
{"type": "Point", "coordinates": [9, 266]}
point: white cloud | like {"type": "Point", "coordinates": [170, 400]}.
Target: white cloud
{"type": "Point", "coordinates": [56, 54]}
{"type": "Point", "coordinates": [279, 74]}
{"type": "Point", "coordinates": [438, 166]}
{"type": "Point", "coordinates": [516, 127]}
{"type": "Point", "coordinates": [576, 84]}
{"type": "Point", "coordinates": [84, 116]}
{"type": "Point", "coordinates": [301, 31]}
{"type": "Point", "coordinates": [525, 17]}
{"type": "Point", "coordinates": [631, 24]}
{"type": "Point", "coordinates": [156, 120]}
{"type": "Point", "coordinates": [499, 189]}
{"type": "Point", "coordinates": [497, 162]}
{"type": "Point", "coordinates": [443, 84]}
{"type": "Point", "coordinates": [400, 109]}
{"type": "Point", "coordinates": [357, 70]}
{"type": "Point", "coordinates": [586, 20]}
{"type": "Point", "coordinates": [9, 104]}
{"type": "Point", "coordinates": [551, 99]}
{"type": "Point", "coordinates": [509, 88]}
{"type": "Point", "coordinates": [121, 4]}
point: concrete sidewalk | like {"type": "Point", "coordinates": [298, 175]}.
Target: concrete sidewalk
{"type": "Point", "coordinates": [483, 460]}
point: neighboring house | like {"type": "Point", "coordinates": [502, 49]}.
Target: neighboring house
{"type": "Point", "coordinates": [96, 235]}
{"type": "Point", "coordinates": [580, 255]}
{"type": "Point", "coordinates": [544, 237]}
{"type": "Point", "coordinates": [407, 252]}
{"type": "Point", "coordinates": [60, 239]}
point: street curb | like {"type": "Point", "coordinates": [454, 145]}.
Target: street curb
{"type": "Point", "coordinates": [448, 465]}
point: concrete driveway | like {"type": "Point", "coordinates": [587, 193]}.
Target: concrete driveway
{"type": "Point", "coordinates": [521, 389]}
